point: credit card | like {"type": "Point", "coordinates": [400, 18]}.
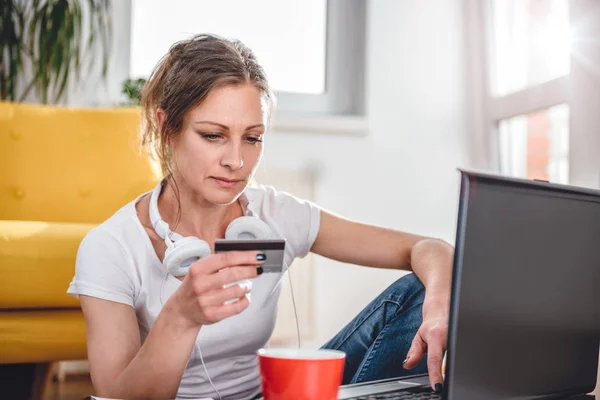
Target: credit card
{"type": "Point", "coordinates": [273, 249]}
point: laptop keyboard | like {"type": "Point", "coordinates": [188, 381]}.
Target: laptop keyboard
{"type": "Point", "coordinates": [402, 394]}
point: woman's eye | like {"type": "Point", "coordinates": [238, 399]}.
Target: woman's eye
{"type": "Point", "coordinates": [211, 136]}
{"type": "Point", "coordinates": [253, 139]}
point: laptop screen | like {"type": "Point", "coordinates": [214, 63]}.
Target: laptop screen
{"type": "Point", "coordinates": [525, 318]}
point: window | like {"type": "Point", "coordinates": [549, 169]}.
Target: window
{"type": "Point", "coordinates": [529, 53]}
{"type": "Point", "coordinates": [300, 35]}
{"type": "Point", "coordinates": [536, 145]}
{"type": "Point", "coordinates": [300, 43]}
{"type": "Point", "coordinates": [531, 43]}
{"type": "Point", "coordinates": [535, 88]}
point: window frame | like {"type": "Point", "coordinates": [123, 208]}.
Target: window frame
{"type": "Point", "coordinates": [344, 68]}
{"type": "Point", "coordinates": [344, 65]}
{"type": "Point", "coordinates": [577, 89]}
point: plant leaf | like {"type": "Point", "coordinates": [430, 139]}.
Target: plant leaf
{"type": "Point", "coordinates": [50, 34]}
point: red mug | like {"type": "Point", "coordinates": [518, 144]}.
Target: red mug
{"type": "Point", "coordinates": [301, 374]}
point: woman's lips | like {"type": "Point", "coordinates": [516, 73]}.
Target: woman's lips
{"type": "Point", "coordinates": [227, 183]}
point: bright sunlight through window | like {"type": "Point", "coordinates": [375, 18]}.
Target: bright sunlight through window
{"type": "Point", "coordinates": [288, 37]}
{"type": "Point", "coordinates": [532, 43]}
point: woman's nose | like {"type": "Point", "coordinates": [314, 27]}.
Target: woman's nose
{"type": "Point", "coordinates": [232, 157]}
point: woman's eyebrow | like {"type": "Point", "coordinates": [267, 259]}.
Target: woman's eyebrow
{"type": "Point", "coordinates": [212, 123]}
{"type": "Point", "coordinates": [226, 127]}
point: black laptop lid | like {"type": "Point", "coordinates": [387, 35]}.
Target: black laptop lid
{"type": "Point", "coordinates": [525, 314]}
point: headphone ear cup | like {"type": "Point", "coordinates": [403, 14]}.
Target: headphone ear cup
{"type": "Point", "coordinates": [185, 251]}
{"type": "Point", "coordinates": [247, 228]}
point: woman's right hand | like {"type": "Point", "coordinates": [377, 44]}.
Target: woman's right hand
{"type": "Point", "coordinates": [202, 299]}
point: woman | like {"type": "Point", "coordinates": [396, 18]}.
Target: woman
{"type": "Point", "coordinates": [152, 335]}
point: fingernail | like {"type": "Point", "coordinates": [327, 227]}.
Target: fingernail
{"type": "Point", "coordinates": [438, 388]}
{"type": "Point", "coordinates": [405, 361]}
{"type": "Point", "coordinates": [259, 270]}
{"type": "Point", "coordinates": [247, 286]}
{"type": "Point", "coordinates": [261, 257]}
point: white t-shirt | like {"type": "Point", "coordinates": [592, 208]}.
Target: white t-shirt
{"type": "Point", "coordinates": [116, 261]}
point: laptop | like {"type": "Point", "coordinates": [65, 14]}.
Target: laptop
{"type": "Point", "coordinates": [525, 305]}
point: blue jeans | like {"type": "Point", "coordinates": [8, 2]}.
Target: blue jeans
{"type": "Point", "coordinates": [377, 340]}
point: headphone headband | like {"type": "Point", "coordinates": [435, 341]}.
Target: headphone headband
{"type": "Point", "coordinates": [183, 251]}
{"type": "Point", "coordinates": [160, 226]}
{"type": "Point", "coordinates": [244, 227]}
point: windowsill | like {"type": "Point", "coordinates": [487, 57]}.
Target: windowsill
{"type": "Point", "coordinates": [351, 125]}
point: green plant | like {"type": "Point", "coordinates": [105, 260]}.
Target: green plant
{"type": "Point", "coordinates": [132, 88]}
{"type": "Point", "coordinates": [48, 34]}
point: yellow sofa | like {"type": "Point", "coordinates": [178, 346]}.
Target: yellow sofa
{"type": "Point", "coordinates": [62, 171]}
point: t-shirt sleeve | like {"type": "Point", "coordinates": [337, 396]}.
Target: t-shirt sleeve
{"type": "Point", "coordinates": [297, 219]}
{"type": "Point", "coordinates": [102, 269]}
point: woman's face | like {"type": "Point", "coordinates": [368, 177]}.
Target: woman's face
{"type": "Point", "coordinates": [220, 145]}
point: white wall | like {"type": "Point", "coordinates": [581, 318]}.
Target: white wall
{"type": "Point", "coordinates": [94, 91]}
{"type": "Point", "coordinates": [403, 174]}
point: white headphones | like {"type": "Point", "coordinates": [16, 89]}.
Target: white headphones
{"type": "Point", "coordinates": [183, 251]}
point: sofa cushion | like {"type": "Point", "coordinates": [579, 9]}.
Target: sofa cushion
{"type": "Point", "coordinates": [41, 336]}
{"type": "Point", "coordinates": [65, 164]}
{"type": "Point", "coordinates": [37, 263]}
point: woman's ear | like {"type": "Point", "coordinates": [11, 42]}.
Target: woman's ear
{"type": "Point", "coordinates": [160, 116]}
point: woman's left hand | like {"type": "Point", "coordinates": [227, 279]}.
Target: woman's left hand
{"type": "Point", "coordinates": [431, 339]}
{"type": "Point", "coordinates": [430, 259]}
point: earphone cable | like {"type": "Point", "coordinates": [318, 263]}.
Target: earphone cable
{"type": "Point", "coordinates": [206, 370]}
{"type": "Point", "coordinates": [162, 289]}
{"type": "Point", "coordinates": [195, 343]}
{"type": "Point", "coordinates": [294, 305]}
{"type": "Point", "coordinates": [198, 346]}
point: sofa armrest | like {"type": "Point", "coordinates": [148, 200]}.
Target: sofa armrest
{"type": "Point", "coordinates": [32, 336]}
{"type": "Point", "coordinates": [37, 263]}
